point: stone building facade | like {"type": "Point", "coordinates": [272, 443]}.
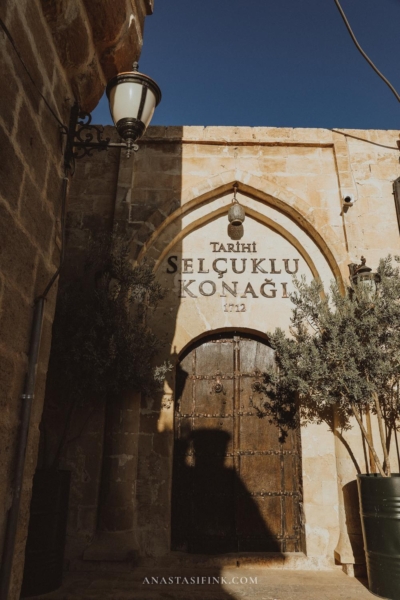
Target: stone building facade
{"type": "Point", "coordinates": [66, 52]}
{"type": "Point", "coordinates": [223, 297]}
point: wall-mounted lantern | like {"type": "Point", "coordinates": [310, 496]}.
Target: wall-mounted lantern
{"type": "Point", "coordinates": [236, 216]}
{"type": "Point", "coordinates": [362, 276]}
{"type": "Point", "coordinates": [132, 97]}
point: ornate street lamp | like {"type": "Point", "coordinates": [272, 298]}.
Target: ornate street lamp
{"type": "Point", "coordinates": [132, 97]}
{"type": "Point", "coordinates": [363, 277]}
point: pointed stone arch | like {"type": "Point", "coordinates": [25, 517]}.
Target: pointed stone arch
{"type": "Point", "coordinates": [251, 213]}
{"type": "Point", "coordinates": [265, 190]}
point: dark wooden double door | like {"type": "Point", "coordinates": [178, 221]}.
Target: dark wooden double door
{"type": "Point", "coordinates": [236, 487]}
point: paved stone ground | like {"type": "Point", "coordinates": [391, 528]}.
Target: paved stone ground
{"type": "Point", "coordinates": [265, 584]}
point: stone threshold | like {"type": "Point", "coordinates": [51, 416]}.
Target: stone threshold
{"type": "Point", "coordinates": [272, 560]}
{"type": "Point", "coordinates": [295, 561]}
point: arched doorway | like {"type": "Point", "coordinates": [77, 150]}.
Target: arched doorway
{"type": "Point", "coordinates": [236, 486]}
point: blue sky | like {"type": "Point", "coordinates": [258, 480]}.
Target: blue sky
{"type": "Point", "coordinates": [283, 63]}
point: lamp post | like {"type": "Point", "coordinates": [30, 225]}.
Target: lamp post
{"type": "Point", "coordinates": [133, 97]}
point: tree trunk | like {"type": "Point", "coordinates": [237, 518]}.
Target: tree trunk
{"type": "Point", "coordinates": [369, 430]}
{"type": "Point", "coordinates": [365, 434]}
{"type": "Point", "coordinates": [381, 432]}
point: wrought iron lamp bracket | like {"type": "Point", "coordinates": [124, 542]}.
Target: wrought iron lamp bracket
{"type": "Point", "coordinates": [235, 189]}
{"type": "Point", "coordinates": [83, 138]}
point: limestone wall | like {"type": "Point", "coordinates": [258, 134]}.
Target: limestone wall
{"type": "Point", "coordinates": [95, 40]}
{"type": "Point", "coordinates": [291, 183]}
{"type": "Point", "coordinates": [70, 50]}
{"type": "Point", "coordinates": [172, 198]}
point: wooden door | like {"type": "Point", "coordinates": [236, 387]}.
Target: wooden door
{"type": "Point", "coordinates": [236, 487]}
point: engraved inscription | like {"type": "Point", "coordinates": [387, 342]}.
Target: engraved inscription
{"type": "Point", "coordinates": [235, 307]}
{"type": "Point", "coordinates": [260, 278]}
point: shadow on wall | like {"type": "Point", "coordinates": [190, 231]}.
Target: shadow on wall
{"type": "Point", "coordinates": [107, 191]}
{"type": "Point", "coordinates": [155, 193]}
{"type": "Point", "coordinates": [157, 423]}
{"type": "Point", "coordinates": [121, 457]}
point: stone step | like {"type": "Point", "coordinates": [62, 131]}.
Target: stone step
{"type": "Point", "coordinates": [265, 585]}
{"type": "Point", "coordinates": [288, 560]}
{"type": "Point", "coordinates": [180, 560]}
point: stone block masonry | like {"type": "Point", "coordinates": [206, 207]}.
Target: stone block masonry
{"type": "Point", "coordinates": [70, 50]}
{"type": "Point", "coordinates": [172, 199]}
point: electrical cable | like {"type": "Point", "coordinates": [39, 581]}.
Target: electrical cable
{"type": "Point", "coordinates": [351, 169]}
{"type": "Point", "coordinates": [63, 232]}
{"type": "Point", "coordinates": [11, 40]}
{"type": "Point", "coordinates": [356, 137]}
{"type": "Point", "coordinates": [353, 37]}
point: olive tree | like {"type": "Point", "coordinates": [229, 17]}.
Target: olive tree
{"type": "Point", "coordinates": [102, 345]}
{"type": "Point", "coordinates": [343, 351]}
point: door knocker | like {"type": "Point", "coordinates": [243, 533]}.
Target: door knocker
{"type": "Point", "coordinates": [218, 388]}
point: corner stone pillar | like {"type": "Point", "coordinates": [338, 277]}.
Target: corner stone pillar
{"type": "Point", "coordinates": [115, 538]}
{"type": "Point", "coordinates": [349, 550]}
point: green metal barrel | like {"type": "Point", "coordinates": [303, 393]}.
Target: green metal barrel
{"type": "Point", "coordinates": [380, 517]}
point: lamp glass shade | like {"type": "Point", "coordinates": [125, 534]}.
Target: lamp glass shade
{"type": "Point", "coordinates": [133, 97]}
{"type": "Point", "coordinates": [368, 282]}
{"type": "Point", "coordinates": [125, 101]}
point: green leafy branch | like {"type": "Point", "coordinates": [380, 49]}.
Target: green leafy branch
{"type": "Point", "coordinates": [343, 352]}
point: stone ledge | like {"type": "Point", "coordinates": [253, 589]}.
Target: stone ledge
{"type": "Point", "coordinates": [251, 560]}
{"type": "Point", "coordinates": [263, 135]}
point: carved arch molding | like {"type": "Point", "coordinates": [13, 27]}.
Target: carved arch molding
{"type": "Point", "coordinates": [265, 192]}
